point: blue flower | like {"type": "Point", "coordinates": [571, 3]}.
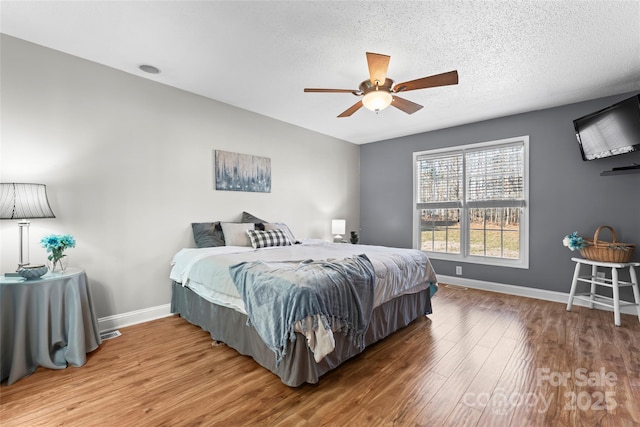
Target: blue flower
{"type": "Point", "coordinates": [573, 241]}
{"type": "Point", "coordinates": [56, 245]}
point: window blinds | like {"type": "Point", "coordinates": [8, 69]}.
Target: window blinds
{"type": "Point", "coordinates": [495, 177]}
{"type": "Point", "coordinates": [492, 177]}
{"type": "Point", "coordinates": [440, 179]}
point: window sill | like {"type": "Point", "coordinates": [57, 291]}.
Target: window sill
{"type": "Point", "coordinates": [495, 262]}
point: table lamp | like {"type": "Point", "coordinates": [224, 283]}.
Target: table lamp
{"type": "Point", "coordinates": [338, 227]}
{"type": "Point", "coordinates": [24, 202]}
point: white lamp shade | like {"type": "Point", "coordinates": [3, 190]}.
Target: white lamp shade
{"type": "Point", "coordinates": [338, 226]}
{"type": "Point", "coordinates": [377, 100]}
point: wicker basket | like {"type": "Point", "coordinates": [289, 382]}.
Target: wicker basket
{"type": "Point", "coordinates": [614, 251]}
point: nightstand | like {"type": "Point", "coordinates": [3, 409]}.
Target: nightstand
{"type": "Point", "coordinates": [47, 322]}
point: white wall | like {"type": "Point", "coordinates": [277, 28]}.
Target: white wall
{"type": "Point", "coordinates": [128, 165]}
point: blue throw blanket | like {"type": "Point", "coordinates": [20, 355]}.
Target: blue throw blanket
{"type": "Point", "coordinates": [278, 294]}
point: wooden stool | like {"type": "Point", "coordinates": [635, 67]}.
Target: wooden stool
{"type": "Point", "coordinates": [593, 298]}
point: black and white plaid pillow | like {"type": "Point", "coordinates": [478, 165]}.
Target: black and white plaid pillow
{"type": "Point", "coordinates": [264, 239]}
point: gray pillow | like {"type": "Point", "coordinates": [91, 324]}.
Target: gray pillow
{"type": "Point", "coordinates": [235, 234]}
{"type": "Point", "coordinates": [207, 234]}
{"type": "Point", "coordinates": [247, 217]}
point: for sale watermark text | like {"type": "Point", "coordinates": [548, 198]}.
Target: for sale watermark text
{"type": "Point", "coordinates": [583, 400]}
{"type": "Point", "coordinates": [582, 377]}
{"type": "Point", "coordinates": [502, 401]}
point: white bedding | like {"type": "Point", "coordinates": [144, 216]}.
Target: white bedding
{"type": "Point", "coordinates": [398, 272]}
{"type": "Point", "coordinates": [224, 293]}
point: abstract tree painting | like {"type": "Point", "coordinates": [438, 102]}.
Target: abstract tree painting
{"type": "Point", "coordinates": [242, 172]}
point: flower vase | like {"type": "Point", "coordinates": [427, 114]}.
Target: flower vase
{"type": "Point", "coordinates": [59, 266]}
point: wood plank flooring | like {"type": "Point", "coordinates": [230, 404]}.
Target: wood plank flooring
{"type": "Point", "coordinates": [482, 359]}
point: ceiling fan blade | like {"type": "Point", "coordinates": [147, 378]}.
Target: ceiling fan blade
{"type": "Point", "coordinates": [378, 66]}
{"type": "Point", "coordinates": [444, 79]}
{"type": "Point", "coordinates": [330, 90]}
{"type": "Point", "coordinates": [349, 111]}
{"type": "Point", "coordinates": [405, 105]}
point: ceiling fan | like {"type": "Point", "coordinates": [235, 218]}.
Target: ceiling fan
{"type": "Point", "coordinates": [378, 92]}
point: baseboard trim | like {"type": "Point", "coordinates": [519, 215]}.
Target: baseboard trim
{"type": "Point", "coordinates": [523, 291]}
{"type": "Point", "coordinates": [110, 323]}
{"type": "Point", "coordinates": [116, 321]}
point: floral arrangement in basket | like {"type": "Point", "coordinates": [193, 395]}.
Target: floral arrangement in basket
{"type": "Point", "coordinates": [573, 241]}
{"type": "Point", "coordinates": [598, 250]}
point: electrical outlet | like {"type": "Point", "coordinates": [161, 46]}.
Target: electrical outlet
{"type": "Point", "coordinates": [459, 270]}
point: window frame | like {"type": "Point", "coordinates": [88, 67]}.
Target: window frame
{"type": "Point", "coordinates": [465, 256]}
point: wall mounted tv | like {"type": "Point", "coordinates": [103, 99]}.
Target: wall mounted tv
{"type": "Point", "coordinates": [610, 131]}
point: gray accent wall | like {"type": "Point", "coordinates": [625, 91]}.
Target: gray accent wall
{"type": "Point", "coordinates": [566, 193]}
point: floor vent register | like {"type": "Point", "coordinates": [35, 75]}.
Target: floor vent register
{"type": "Point", "coordinates": [111, 334]}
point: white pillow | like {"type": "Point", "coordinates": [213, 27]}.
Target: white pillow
{"type": "Point", "coordinates": [235, 234]}
{"type": "Point", "coordinates": [283, 227]}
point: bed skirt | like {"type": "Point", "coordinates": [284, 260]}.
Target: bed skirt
{"type": "Point", "coordinates": [298, 366]}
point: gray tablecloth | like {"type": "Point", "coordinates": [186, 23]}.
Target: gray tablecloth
{"type": "Point", "coordinates": [49, 322]}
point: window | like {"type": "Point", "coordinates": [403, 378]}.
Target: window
{"type": "Point", "coordinates": [471, 202]}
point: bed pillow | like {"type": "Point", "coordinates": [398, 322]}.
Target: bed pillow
{"type": "Point", "coordinates": [265, 239]}
{"type": "Point", "coordinates": [283, 227]}
{"type": "Point", "coordinates": [247, 217]}
{"type": "Point", "coordinates": [207, 234]}
{"type": "Point", "coordinates": [235, 233]}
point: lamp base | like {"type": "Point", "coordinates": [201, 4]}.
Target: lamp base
{"type": "Point", "coordinates": [337, 239]}
{"type": "Point", "coordinates": [23, 256]}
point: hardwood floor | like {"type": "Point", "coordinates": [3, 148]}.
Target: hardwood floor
{"type": "Point", "coordinates": [482, 359]}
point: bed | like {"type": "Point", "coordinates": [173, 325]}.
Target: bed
{"type": "Point", "coordinates": [387, 288]}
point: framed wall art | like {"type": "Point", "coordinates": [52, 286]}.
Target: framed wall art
{"type": "Point", "coordinates": [241, 172]}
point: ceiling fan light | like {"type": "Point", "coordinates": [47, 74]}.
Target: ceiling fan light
{"type": "Point", "coordinates": [377, 100]}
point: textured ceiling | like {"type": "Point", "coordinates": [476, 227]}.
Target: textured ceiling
{"type": "Point", "coordinates": [512, 56]}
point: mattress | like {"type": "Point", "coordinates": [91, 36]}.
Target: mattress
{"type": "Point", "coordinates": [205, 270]}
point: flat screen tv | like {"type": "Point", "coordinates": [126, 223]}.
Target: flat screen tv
{"type": "Point", "coordinates": [610, 131]}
